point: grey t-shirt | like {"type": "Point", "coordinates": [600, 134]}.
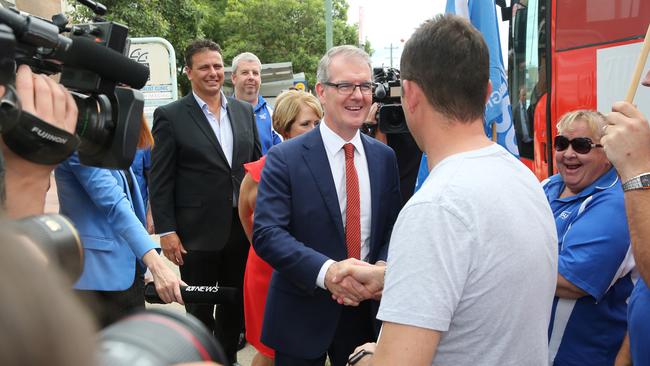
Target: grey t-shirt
{"type": "Point", "coordinates": [474, 255]}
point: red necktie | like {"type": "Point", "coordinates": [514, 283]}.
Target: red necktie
{"type": "Point", "coordinates": [353, 211]}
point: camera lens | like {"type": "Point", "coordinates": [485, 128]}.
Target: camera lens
{"type": "Point", "coordinates": [94, 124]}
{"type": "Point", "coordinates": [57, 239]}
{"type": "Point", "coordinates": [158, 337]}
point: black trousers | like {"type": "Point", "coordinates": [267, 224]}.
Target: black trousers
{"type": "Point", "coordinates": [110, 306]}
{"type": "Point", "coordinates": [355, 328]}
{"type": "Point", "coordinates": [225, 267]}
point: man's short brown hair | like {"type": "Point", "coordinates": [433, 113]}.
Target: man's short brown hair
{"type": "Point", "coordinates": [197, 46]}
{"type": "Point", "coordinates": [448, 58]}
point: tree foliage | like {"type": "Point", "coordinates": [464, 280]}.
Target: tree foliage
{"type": "Point", "coordinates": [275, 30]}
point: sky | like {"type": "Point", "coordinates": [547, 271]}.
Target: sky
{"type": "Point", "coordinates": [388, 23]}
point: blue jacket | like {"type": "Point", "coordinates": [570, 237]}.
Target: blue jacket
{"type": "Point", "coordinates": [140, 167]}
{"type": "Point", "coordinates": [110, 222]}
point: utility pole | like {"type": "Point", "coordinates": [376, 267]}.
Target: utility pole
{"type": "Point", "coordinates": [391, 48]}
{"type": "Point", "coordinates": [328, 25]}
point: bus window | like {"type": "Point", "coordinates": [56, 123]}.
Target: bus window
{"type": "Point", "coordinates": [527, 69]}
{"type": "Point", "coordinates": [582, 23]}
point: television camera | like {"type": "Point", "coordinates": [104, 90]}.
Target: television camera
{"type": "Point", "coordinates": [387, 93]}
{"type": "Point", "coordinates": [93, 65]}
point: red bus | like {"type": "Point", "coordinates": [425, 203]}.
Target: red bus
{"type": "Point", "coordinates": [565, 55]}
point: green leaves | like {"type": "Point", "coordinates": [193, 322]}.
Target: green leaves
{"type": "Point", "coordinates": [275, 30]}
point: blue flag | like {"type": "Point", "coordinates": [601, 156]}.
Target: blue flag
{"type": "Point", "coordinates": [483, 15]}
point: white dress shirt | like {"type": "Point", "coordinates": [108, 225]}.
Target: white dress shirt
{"type": "Point", "coordinates": [221, 127]}
{"type": "Point", "coordinates": [336, 157]}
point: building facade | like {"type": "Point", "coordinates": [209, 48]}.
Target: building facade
{"type": "Point", "coordinates": [42, 8]}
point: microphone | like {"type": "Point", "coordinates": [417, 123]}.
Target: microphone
{"type": "Point", "coordinates": [109, 64]}
{"type": "Point", "coordinates": [380, 91]}
{"type": "Point", "coordinates": [196, 294]}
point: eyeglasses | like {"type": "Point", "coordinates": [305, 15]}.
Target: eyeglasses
{"type": "Point", "coordinates": [348, 88]}
{"type": "Point", "coordinates": [581, 145]}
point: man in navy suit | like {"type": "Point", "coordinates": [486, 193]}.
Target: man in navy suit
{"type": "Point", "coordinates": [328, 196]}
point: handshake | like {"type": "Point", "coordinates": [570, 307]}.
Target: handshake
{"type": "Point", "coordinates": [352, 281]}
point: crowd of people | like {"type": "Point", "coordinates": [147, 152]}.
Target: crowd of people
{"type": "Point", "coordinates": [302, 213]}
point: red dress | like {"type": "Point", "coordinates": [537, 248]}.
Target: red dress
{"type": "Point", "coordinates": [256, 282]}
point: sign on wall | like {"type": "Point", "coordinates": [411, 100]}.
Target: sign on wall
{"type": "Point", "coordinates": [159, 56]}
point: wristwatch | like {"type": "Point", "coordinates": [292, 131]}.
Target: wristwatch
{"type": "Point", "coordinates": [641, 181]}
{"type": "Point", "coordinates": [358, 356]}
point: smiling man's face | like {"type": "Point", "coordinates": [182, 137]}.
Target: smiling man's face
{"type": "Point", "coordinates": [206, 73]}
{"type": "Point", "coordinates": [346, 113]}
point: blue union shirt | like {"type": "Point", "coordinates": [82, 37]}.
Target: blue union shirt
{"type": "Point", "coordinates": [639, 324]}
{"type": "Point", "coordinates": [595, 256]}
{"type": "Point", "coordinates": [268, 136]}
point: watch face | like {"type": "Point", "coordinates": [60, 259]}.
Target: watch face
{"type": "Point", "coordinates": [645, 180]}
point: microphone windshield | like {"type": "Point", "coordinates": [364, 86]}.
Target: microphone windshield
{"type": "Point", "coordinates": [380, 92]}
{"type": "Point", "coordinates": [109, 64]}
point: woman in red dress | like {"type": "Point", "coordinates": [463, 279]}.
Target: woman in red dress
{"type": "Point", "coordinates": [295, 113]}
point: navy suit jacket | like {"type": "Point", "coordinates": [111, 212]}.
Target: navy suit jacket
{"type": "Point", "coordinates": [298, 226]}
{"type": "Point", "coordinates": [110, 221]}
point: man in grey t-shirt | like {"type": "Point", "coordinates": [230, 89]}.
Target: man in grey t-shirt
{"type": "Point", "coordinates": [472, 261]}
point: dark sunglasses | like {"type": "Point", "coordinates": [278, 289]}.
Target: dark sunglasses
{"type": "Point", "coordinates": [581, 145]}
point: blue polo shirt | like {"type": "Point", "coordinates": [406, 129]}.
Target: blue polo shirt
{"type": "Point", "coordinates": [268, 137]}
{"type": "Point", "coordinates": [594, 255]}
{"type": "Point", "coordinates": [638, 318]}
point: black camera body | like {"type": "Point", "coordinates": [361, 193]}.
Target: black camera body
{"type": "Point", "coordinates": [388, 93]}
{"type": "Point", "coordinates": [92, 64]}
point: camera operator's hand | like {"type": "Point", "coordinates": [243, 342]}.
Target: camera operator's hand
{"type": "Point", "coordinates": [26, 183]}
{"type": "Point", "coordinates": [166, 281]}
{"type": "Point", "coordinates": [46, 99]}
{"type": "Point", "coordinates": [372, 114]}
{"type": "Point", "coordinates": [173, 248]}
{"type": "Point", "coordinates": [372, 119]}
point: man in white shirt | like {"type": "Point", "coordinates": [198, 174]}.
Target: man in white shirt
{"type": "Point", "coordinates": [473, 256]}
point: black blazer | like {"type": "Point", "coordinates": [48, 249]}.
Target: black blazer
{"type": "Point", "coordinates": [192, 185]}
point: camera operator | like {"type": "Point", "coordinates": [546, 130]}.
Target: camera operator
{"type": "Point", "coordinates": [26, 183]}
{"type": "Point", "coordinates": [406, 150]}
